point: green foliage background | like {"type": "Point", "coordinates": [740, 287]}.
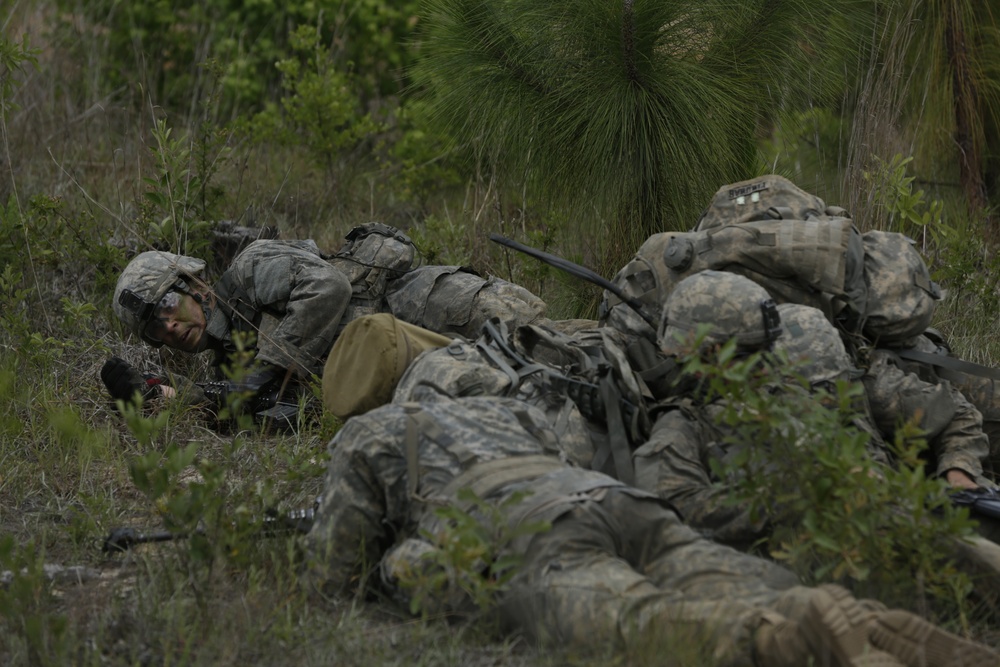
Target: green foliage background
{"type": "Point", "coordinates": [577, 127]}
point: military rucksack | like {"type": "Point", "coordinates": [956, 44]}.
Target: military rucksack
{"type": "Point", "coordinates": [373, 254]}
{"type": "Point", "coordinates": [586, 374]}
{"type": "Point", "coordinates": [799, 249]}
{"type": "Point", "coordinates": [817, 262]}
{"type": "Point", "coordinates": [901, 295]}
{"type": "Point", "coordinates": [769, 197]}
{"type": "Point", "coordinates": [368, 359]}
{"type": "Point", "coordinates": [457, 300]}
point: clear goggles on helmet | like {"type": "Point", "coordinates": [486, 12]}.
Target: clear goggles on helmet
{"type": "Point", "coordinates": [156, 327]}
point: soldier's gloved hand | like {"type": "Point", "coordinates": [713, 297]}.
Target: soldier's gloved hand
{"type": "Point", "coordinates": [123, 381]}
{"type": "Point", "coordinates": [261, 383]}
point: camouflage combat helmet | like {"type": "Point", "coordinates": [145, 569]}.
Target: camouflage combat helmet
{"type": "Point", "coordinates": [734, 307]}
{"type": "Point", "coordinates": [810, 342]}
{"type": "Point", "coordinates": [146, 279]}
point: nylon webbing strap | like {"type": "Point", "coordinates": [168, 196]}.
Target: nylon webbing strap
{"type": "Point", "coordinates": [926, 284]}
{"type": "Point", "coordinates": [485, 477]}
{"type": "Point", "coordinates": [950, 363]}
{"type": "Point", "coordinates": [228, 292]}
{"type": "Point", "coordinates": [545, 436]}
{"type": "Point", "coordinates": [412, 449]}
{"type": "Point", "coordinates": [499, 360]}
{"type": "Point", "coordinates": [621, 453]}
{"type": "Point", "coordinates": [833, 271]}
{"type": "Point", "coordinates": [602, 452]}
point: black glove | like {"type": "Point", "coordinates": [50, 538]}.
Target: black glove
{"type": "Point", "coordinates": [123, 381]}
{"type": "Point", "coordinates": [262, 384]}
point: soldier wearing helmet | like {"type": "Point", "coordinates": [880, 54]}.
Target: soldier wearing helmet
{"type": "Point", "coordinates": [163, 299]}
{"type": "Point", "coordinates": [725, 306]}
{"type": "Point", "coordinates": [892, 397]}
{"type": "Point", "coordinates": [689, 434]}
{"type": "Point", "coordinates": [613, 566]}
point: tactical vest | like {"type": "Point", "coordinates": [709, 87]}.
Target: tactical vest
{"type": "Point", "coordinates": [373, 255]}
{"type": "Point", "coordinates": [567, 377]}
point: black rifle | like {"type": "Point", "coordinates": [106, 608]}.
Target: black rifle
{"type": "Point", "coordinates": [982, 503]}
{"type": "Point", "coordinates": [580, 272]}
{"type": "Point", "coordinates": [122, 539]}
{"type": "Point", "coordinates": [268, 402]}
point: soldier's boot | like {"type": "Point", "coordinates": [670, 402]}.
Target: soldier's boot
{"type": "Point", "coordinates": [836, 626]}
{"type": "Point", "coordinates": [778, 642]}
{"type": "Point", "coordinates": [919, 643]}
{"type": "Point", "coordinates": [782, 642]}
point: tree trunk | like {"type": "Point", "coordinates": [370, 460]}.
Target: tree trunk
{"type": "Point", "coordinates": [968, 135]}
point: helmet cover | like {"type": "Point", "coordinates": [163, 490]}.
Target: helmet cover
{"type": "Point", "coordinates": [146, 279]}
{"type": "Point", "coordinates": [732, 305]}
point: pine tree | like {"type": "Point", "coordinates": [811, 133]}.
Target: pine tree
{"type": "Point", "coordinates": [629, 113]}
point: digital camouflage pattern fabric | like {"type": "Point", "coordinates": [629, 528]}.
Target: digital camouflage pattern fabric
{"type": "Point", "coordinates": [901, 295]}
{"type": "Point", "coordinates": [291, 282]}
{"type": "Point", "coordinates": [455, 300]}
{"type": "Point", "coordinates": [583, 383]}
{"type": "Point", "coordinates": [813, 346]}
{"type": "Point", "coordinates": [953, 427]}
{"type": "Point", "coordinates": [615, 566]}
{"type": "Point", "coordinates": [730, 306]}
{"type": "Point", "coordinates": [769, 197]}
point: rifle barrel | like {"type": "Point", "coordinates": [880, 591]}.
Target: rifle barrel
{"type": "Point", "coordinates": [579, 271]}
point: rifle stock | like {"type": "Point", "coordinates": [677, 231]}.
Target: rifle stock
{"type": "Point", "coordinates": [122, 539]}
{"type": "Point", "coordinates": [982, 503]}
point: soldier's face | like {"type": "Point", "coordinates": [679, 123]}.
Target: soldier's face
{"type": "Point", "coordinates": [178, 322]}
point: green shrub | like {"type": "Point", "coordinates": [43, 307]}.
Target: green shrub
{"type": "Point", "coordinates": [468, 557]}
{"type": "Point", "coordinates": [319, 108]}
{"type": "Point", "coordinates": [837, 515]}
{"type": "Point", "coordinates": [165, 45]}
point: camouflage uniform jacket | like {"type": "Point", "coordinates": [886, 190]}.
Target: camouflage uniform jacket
{"type": "Point", "coordinates": [953, 426]}
{"type": "Point", "coordinates": [371, 501]}
{"type": "Point", "coordinates": [290, 282]}
{"type": "Point", "coordinates": [676, 464]}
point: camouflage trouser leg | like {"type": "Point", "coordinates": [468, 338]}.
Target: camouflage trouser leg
{"type": "Point", "coordinates": [612, 570]}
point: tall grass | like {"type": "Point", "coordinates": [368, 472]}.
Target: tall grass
{"type": "Point", "coordinates": [88, 176]}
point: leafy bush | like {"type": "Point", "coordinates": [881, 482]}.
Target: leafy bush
{"type": "Point", "coordinates": [319, 109]}
{"type": "Point", "coordinates": [469, 559]}
{"type": "Point", "coordinates": [169, 43]}
{"type": "Point", "coordinates": [907, 211]}
{"type": "Point", "coordinates": [837, 515]}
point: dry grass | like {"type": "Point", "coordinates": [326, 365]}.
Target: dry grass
{"type": "Point", "coordinates": [65, 452]}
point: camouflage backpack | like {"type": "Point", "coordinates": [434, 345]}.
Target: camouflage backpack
{"type": "Point", "coordinates": [457, 300]}
{"type": "Point", "coordinates": [769, 197]}
{"type": "Point", "coordinates": [586, 375]}
{"type": "Point", "coordinates": [799, 249]}
{"type": "Point", "coordinates": [373, 255]}
{"type": "Point", "coordinates": [817, 262]}
{"type": "Point", "coordinates": [901, 295]}
{"type": "Point", "coordinates": [764, 200]}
